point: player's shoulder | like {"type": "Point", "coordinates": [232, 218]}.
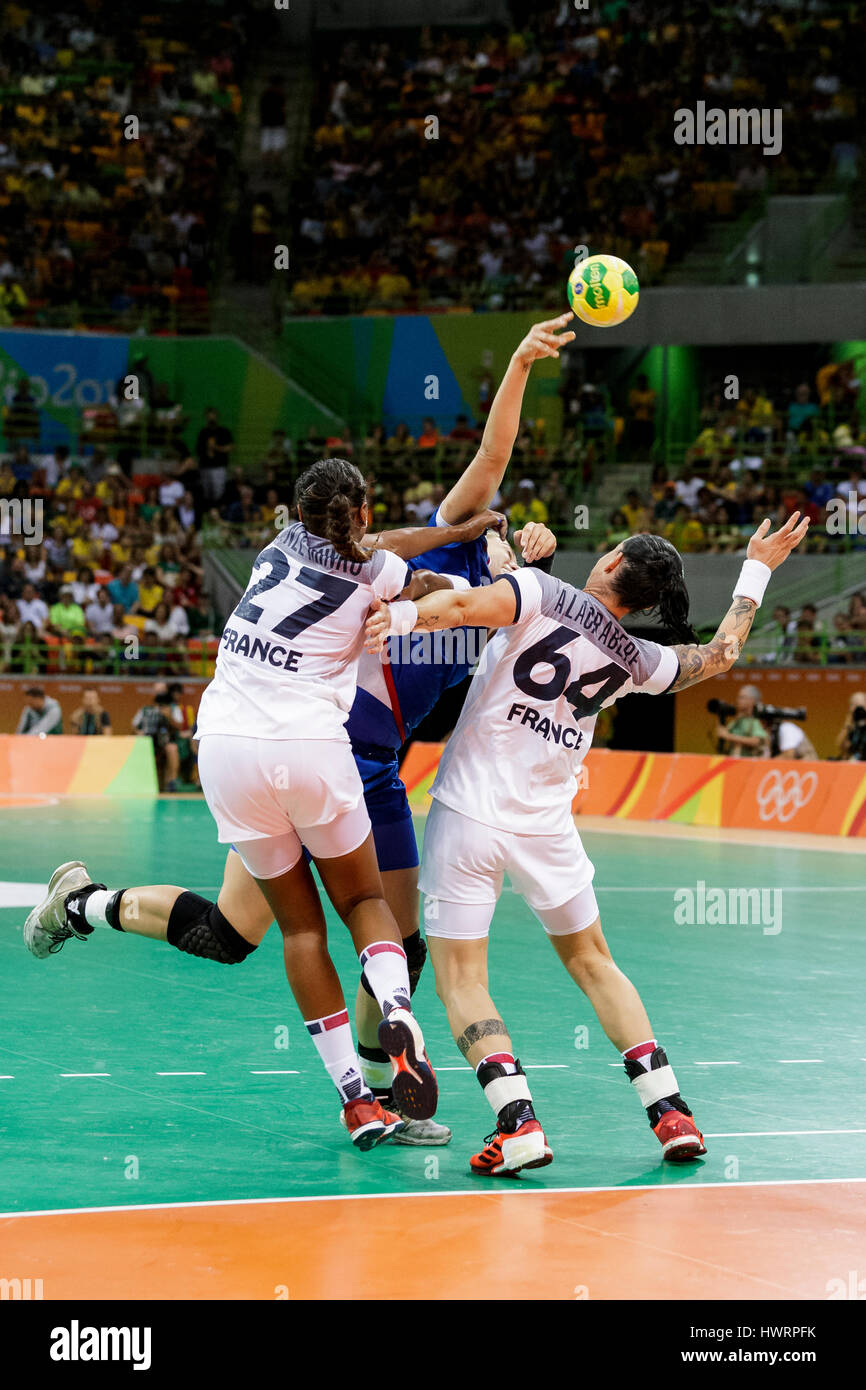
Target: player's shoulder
{"type": "Point", "coordinates": [308, 549]}
{"type": "Point", "coordinates": [535, 591]}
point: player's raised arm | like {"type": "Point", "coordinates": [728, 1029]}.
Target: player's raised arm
{"type": "Point", "coordinates": [493, 605]}
{"type": "Point", "coordinates": [480, 481]}
{"type": "Point", "coordinates": [765, 553]}
{"type": "Point", "coordinates": [409, 541]}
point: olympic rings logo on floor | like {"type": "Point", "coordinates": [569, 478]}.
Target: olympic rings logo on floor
{"type": "Point", "coordinates": [781, 794]}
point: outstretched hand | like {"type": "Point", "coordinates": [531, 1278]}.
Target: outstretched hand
{"type": "Point", "coordinates": [773, 550]}
{"type": "Point", "coordinates": [545, 339]}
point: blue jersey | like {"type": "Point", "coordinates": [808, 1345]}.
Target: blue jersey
{"type": "Point", "coordinates": [393, 697]}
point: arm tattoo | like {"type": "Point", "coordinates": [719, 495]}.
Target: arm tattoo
{"type": "Point", "coordinates": [487, 1028]}
{"type": "Point", "coordinates": [699, 663]}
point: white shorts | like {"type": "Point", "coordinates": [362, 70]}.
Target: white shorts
{"type": "Point", "coordinates": [464, 863]}
{"type": "Point", "coordinates": [271, 797]}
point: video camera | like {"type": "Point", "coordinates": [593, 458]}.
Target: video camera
{"type": "Point", "coordinates": [768, 714]}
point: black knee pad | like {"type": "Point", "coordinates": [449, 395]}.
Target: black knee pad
{"type": "Point", "coordinates": [416, 954]}
{"type": "Point", "coordinates": [197, 927]}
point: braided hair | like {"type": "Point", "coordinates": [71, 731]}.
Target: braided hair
{"type": "Point", "coordinates": [651, 576]}
{"type": "Point", "coordinates": [326, 494]}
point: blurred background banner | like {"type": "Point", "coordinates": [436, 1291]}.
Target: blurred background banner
{"type": "Point", "coordinates": [75, 379]}
{"type": "Point", "coordinates": [691, 789]}
{"type": "Point", "coordinates": [37, 769]}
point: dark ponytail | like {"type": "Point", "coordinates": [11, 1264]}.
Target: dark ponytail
{"type": "Point", "coordinates": [326, 494]}
{"type": "Point", "coordinates": [651, 577]}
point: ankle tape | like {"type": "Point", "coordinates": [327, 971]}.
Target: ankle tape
{"type": "Point", "coordinates": [501, 1089]}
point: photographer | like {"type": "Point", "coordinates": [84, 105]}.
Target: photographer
{"type": "Point", "coordinates": [788, 740]}
{"type": "Point", "coordinates": [745, 736]}
{"type": "Point", "coordinates": [154, 721]}
{"type": "Point", "coordinates": [851, 739]}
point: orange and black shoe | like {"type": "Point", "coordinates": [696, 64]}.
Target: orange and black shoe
{"type": "Point", "coordinates": [415, 1090]}
{"type": "Point", "coordinates": [670, 1118]}
{"type": "Point", "coordinates": [679, 1136]}
{"type": "Point", "coordinates": [504, 1155]}
{"type": "Point", "coordinates": [368, 1124]}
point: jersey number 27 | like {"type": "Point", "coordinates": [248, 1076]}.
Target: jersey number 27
{"type": "Point", "coordinates": [333, 593]}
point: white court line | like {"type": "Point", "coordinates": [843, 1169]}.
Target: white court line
{"type": "Point", "coordinates": [799, 1061]}
{"type": "Point", "coordinates": [786, 888]}
{"type": "Point", "coordinates": [7, 1078]}
{"type": "Point", "coordinates": [777, 1133]}
{"type": "Point", "coordinates": [85, 1073]}
{"type": "Point", "coordinates": [453, 1068]}
{"type": "Point", "coordinates": [275, 1073]}
{"type": "Point", "coordinates": [714, 1064]}
{"type": "Point", "coordinates": [511, 1190]}
{"type": "Point", "coordinates": [180, 1073]}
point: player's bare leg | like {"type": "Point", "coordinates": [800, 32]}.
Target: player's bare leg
{"type": "Point", "coordinates": [400, 887]}
{"type": "Point", "coordinates": [481, 1035]}
{"type": "Point", "coordinates": [618, 1007]}
{"type": "Point", "coordinates": [353, 883]}
{"type": "Point", "coordinates": [617, 1004]}
{"type": "Point", "coordinates": [147, 911]}
{"type": "Point", "coordinates": [225, 931]}
{"type": "Point", "coordinates": [295, 904]}
{"type": "Point", "coordinates": [294, 901]}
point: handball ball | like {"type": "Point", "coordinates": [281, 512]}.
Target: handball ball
{"type": "Point", "coordinates": [603, 290]}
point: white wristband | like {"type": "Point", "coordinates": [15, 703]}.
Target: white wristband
{"type": "Point", "coordinates": [753, 581]}
{"type": "Point", "coordinates": [404, 616]}
{"type": "Point", "coordinates": [459, 582]}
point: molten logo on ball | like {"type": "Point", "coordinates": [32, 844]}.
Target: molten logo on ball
{"type": "Point", "coordinates": [603, 290]}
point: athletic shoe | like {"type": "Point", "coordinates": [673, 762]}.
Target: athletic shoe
{"type": "Point", "coordinates": [368, 1124]}
{"type": "Point", "coordinates": [415, 1090]}
{"type": "Point", "coordinates": [679, 1137]}
{"type": "Point", "coordinates": [504, 1155]}
{"type": "Point", "coordinates": [46, 929]}
{"type": "Point", "coordinates": [423, 1133]}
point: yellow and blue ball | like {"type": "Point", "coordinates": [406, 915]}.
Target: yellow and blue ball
{"type": "Point", "coordinates": [603, 290]}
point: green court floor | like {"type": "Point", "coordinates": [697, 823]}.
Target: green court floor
{"type": "Point", "coordinates": [200, 1099]}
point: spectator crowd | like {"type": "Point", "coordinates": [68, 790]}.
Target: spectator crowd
{"type": "Point", "coordinates": [756, 457]}
{"type": "Point", "coordinates": [109, 570]}
{"type": "Point", "coordinates": [118, 127]}
{"type": "Point", "coordinates": [447, 169]}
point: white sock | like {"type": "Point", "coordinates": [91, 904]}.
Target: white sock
{"type": "Point", "coordinates": [336, 1047]}
{"type": "Point", "coordinates": [384, 965]}
{"type": "Point", "coordinates": [96, 905]}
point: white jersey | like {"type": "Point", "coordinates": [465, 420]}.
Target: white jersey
{"type": "Point", "coordinates": [288, 658]}
{"type": "Point", "coordinates": [529, 717]}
